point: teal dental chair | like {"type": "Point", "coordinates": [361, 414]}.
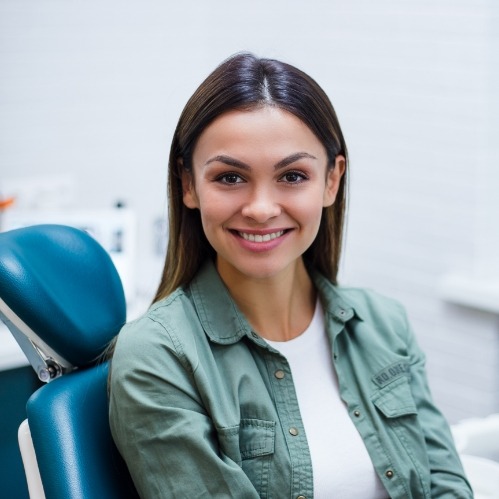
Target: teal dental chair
{"type": "Point", "coordinates": [62, 299]}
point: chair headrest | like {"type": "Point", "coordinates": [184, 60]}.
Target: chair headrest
{"type": "Point", "coordinates": [61, 283]}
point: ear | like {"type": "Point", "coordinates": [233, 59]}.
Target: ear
{"type": "Point", "coordinates": [188, 190]}
{"type": "Point", "coordinates": [333, 180]}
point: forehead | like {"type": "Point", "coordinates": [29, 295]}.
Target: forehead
{"type": "Point", "coordinates": [266, 131]}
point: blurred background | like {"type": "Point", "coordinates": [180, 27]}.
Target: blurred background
{"type": "Point", "coordinates": [90, 93]}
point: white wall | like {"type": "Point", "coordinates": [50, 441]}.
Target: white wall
{"type": "Point", "coordinates": [94, 89]}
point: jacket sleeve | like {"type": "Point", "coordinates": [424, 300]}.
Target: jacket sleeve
{"type": "Point", "coordinates": [160, 424]}
{"type": "Point", "coordinates": [447, 475]}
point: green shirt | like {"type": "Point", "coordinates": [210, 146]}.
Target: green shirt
{"type": "Point", "coordinates": [202, 406]}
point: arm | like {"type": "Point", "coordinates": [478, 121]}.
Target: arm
{"type": "Point", "coordinates": [161, 427]}
{"type": "Point", "coordinates": [447, 475]}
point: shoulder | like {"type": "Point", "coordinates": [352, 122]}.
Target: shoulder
{"type": "Point", "coordinates": [380, 315]}
{"type": "Point", "coordinates": [157, 321]}
{"type": "Point", "coordinates": [378, 323]}
{"type": "Point", "coordinates": [365, 303]}
{"type": "Point", "coordinates": [383, 321]}
{"type": "Point", "coordinates": [167, 327]}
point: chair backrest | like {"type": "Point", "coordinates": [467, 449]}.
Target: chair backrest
{"type": "Point", "coordinates": [62, 298]}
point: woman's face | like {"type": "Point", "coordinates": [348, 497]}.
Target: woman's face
{"type": "Point", "coordinates": [260, 183]}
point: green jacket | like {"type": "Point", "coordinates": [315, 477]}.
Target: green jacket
{"type": "Point", "coordinates": [201, 406]}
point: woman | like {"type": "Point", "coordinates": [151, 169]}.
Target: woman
{"type": "Point", "coordinates": [253, 374]}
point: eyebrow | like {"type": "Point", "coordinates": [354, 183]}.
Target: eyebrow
{"type": "Point", "coordinates": [288, 160]}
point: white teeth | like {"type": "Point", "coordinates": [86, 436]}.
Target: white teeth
{"type": "Point", "coordinates": [258, 238]}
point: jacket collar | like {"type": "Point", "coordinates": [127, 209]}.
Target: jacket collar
{"type": "Point", "coordinates": [217, 311]}
{"type": "Point", "coordinates": [334, 299]}
{"type": "Point", "coordinates": [225, 324]}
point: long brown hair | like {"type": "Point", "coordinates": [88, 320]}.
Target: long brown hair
{"type": "Point", "coordinates": [246, 82]}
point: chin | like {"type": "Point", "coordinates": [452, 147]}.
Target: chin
{"type": "Point", "coordinates": [257, 270]}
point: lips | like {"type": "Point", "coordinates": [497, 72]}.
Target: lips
{"type": "Point", "coordinates": [260, 238]}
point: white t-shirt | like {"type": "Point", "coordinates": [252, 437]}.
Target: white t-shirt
{"type": "Point", "coordinates": [341, 465]}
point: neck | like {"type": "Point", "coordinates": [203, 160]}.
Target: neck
{"type": "Point", "coordinates": [279, 308]}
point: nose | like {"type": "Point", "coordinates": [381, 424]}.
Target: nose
{"type": "Point", "coordinates": [261, 206]}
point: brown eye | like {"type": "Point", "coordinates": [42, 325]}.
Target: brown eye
{"type": "Point", "coordinates": [293, 177]}
{"type": "Point", "coordinates": [229, 178]}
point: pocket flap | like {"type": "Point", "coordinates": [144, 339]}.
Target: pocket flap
{"type": "Point", "coordinates": [395, 399]}
{"type": "Point", "coordinates": [256, 437]}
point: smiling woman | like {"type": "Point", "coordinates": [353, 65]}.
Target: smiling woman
{"type": "Point", "coordinates": [254, 374]}
{"type": "Point", "coordinates": [260, 180]}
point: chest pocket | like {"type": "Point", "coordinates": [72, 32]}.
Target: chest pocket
{"type": "Point", "coordinates": [251, 445]}
{"type": "Point", "coordinates": [395, 400]}
{"type": "Point", "coordinates": [404, 432]}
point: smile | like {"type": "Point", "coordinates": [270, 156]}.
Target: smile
{"type": "Point", "coordinates": [260, 238]}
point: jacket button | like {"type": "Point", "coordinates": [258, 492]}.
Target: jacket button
{"type": "Point", "coordinates": [356, 414]}
{"type": "Point", "coordinates": [293, 431]}
{"type": "Point", "coordinates": [279, 374]}
{"type": "Point", "coordinates": [389, 474]}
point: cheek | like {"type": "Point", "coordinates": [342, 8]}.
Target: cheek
{"type": "Point", "coordinates": [308, 208]}
{"type": "Point", "coordinates": [309, 215]}
{"type": "Point", "coordinates": [215, 209]}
